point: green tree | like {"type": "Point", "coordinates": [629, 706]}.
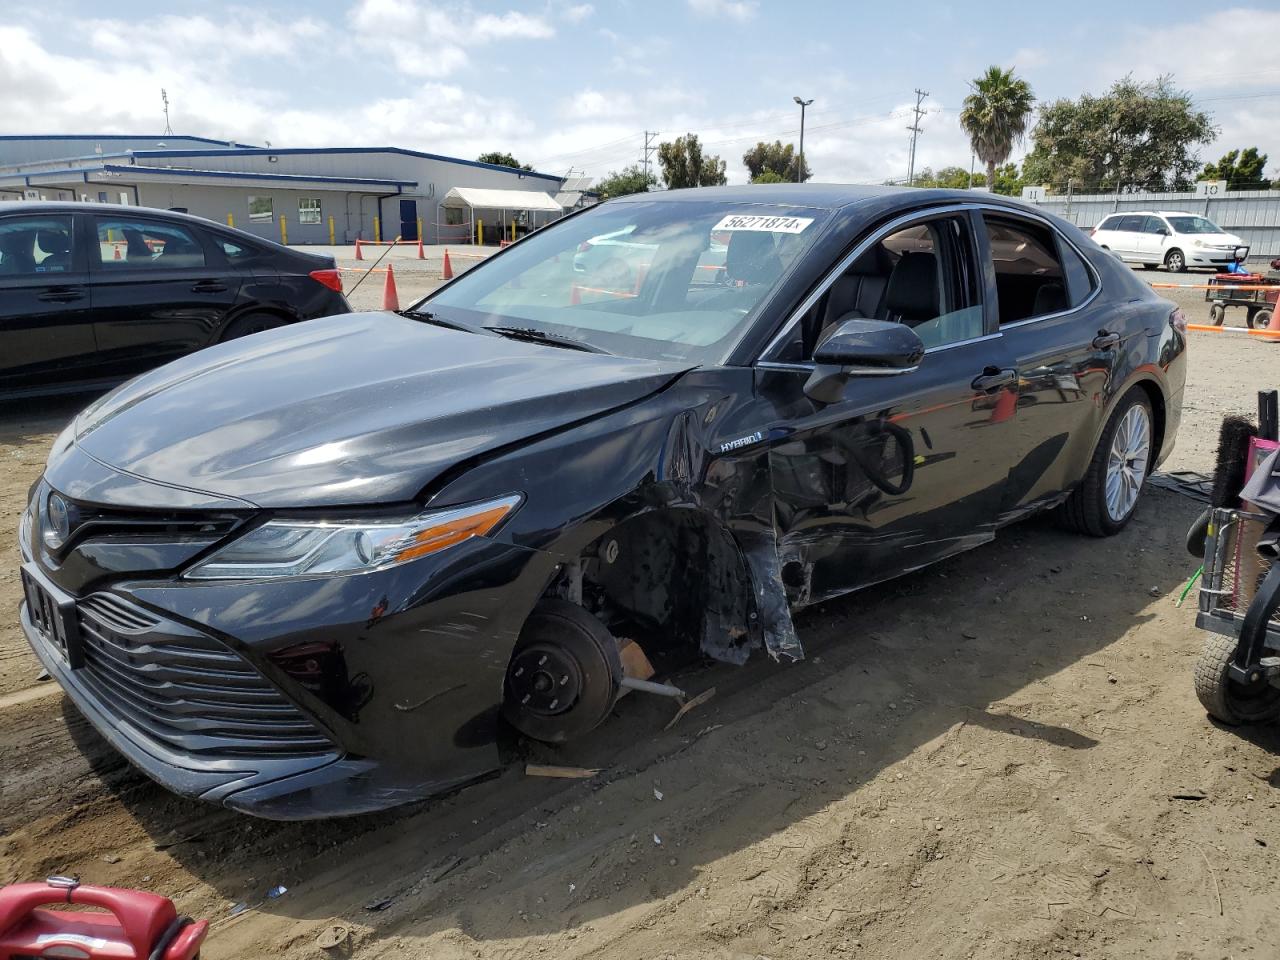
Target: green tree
{"type": "Point", "coordinates": [502, 160]}
{"type": "Point", "coordinates": [1009, 180]}
{"type": "Point", "coordinates": [1242, 169]}
{"type": "Point", "coordinates": [769, 176]}
{"type": "Point", "coordinates": [949, 178]}
{"type": "Point", "coordinates": [1136, 136]}
{"type": "Point", "coordinates": [995, 116]}
{"type": "Point", "coordinates": [774, 158]}
{"type": "Point", "coordinates": [683, 164]}
{"type": "Point", "coordinates": [632, 179]}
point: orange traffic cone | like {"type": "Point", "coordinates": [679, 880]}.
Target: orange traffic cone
{"type": "Point", "coordinates": [421, 255]}
{"type": "Point", "coordinates": [448, 267]}
{"type": "Point", "coordinates": [575, 296]}
{"type": "Point", "coordinates": [1275, 318]}
{"type": "Point", "coordinates": [117, 253]}
{"type": "Point", "coordinates": [358, 257]}
{"type": "Point", "coordinates": [390, 299]}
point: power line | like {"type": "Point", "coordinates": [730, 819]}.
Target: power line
{"type": "Point", "coordinates": [647, 151]}
{"type": "Point", "coordinates": [915, 132]}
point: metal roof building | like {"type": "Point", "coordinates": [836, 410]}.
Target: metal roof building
{"type": "Point", "coordinates": [303, 195]}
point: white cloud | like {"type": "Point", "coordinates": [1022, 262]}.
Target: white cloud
{"type": "Point", "coordinates": [1225, 49]}
{"type": "Point", "coordinates": [1028, 58]}
{"type": "Point", "coordinates": [578, 12]}
{"type": "Point", "coordinates": [740, 10]}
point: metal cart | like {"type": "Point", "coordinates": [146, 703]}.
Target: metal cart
{"type": "Point", "coordinates": [1237, 677]}
{"type": "Point", "coordinates": [1259, 303]}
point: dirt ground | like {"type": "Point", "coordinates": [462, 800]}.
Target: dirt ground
{"type": "Point", "coordinates": [995, 758]}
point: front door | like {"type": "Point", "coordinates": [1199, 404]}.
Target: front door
{"type": "Point", "coordinates": [902, 470]}
{"type": "Point", "coordinates": [46, 333]}
{"type": "Point", "coordinates": [409, 219]}
{"type": "Point", "coordinates": [158, 291]}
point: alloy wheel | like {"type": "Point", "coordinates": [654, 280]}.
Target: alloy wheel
{"type": "Point", "coordinates": [1127, 462]}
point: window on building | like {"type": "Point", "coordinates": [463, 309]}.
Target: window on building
{"type": "Point", "coordinates": [260, 209]}
{"type": "Point", "coordinates": [308, 209]}
{"type": "Point", "coordinates": [146, 244]}
{"type": "Point", "coordinates": [102, 196]}
{"type": "Point", "coordinates": [124, 198]}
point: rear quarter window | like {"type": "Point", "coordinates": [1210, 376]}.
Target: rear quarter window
{"type": "Point", "coordinates": [1079, 278]}
{"type": "Point", "coordinates": [1110, 223]}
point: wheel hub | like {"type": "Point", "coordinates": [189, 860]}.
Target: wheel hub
{"type": "Point", "coordinates": [1127, 462]}
{"type": "Point", "coordinates": [544, 680]}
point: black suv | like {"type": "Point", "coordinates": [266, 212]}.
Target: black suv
{"type": "Point", "coordinates": [92, 294]}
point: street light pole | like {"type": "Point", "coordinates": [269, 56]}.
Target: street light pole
{"type": "Point", "coordinates": [800, 165]}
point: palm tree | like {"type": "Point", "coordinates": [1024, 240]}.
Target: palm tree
{"type": "Point", "coordinates": [995, 116]}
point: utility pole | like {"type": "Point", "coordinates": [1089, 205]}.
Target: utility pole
{"type": "Point", "coordinates": [915, 132]}
{"type": "Point", "coordinates": [164, 96]}
{"type": "Point", "coordinates": [800, 166]}
{"type": "Point", "coordinates": [648, 150]}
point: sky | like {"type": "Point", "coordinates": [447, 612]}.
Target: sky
{"type": "Point", "coordinates": [567, 84]}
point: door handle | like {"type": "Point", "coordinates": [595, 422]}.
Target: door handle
{"type": "Point", "coordinates": [993, 378]}
{"type": "Point", "coordinates": [208, 286]}
{"type": "Point", "coordinates": [61, 295]}
{"type": "Point", "coordinates": [1105, 340]}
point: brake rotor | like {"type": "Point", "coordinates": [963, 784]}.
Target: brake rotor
{"type": "Point", "coordinates": [544, 680]}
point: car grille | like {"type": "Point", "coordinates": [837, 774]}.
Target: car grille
{"type": "Point", "coordinates": [184, 689]}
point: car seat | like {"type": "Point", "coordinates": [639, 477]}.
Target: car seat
{"type": "Point", "coordinates": [858, 293]}
{"type": "Point", "coordinates": [751, 259]}
{"type": "Point", "coordinates": [15, 254]}
{"type": "Point", "coordinates": [136, 248]}
{"type": "Point", "coordinates": [1050, 298]}
{"type": "Point", "coordinates": [912, 295]}
{"type": "Point", "coordinates": [57, 246]}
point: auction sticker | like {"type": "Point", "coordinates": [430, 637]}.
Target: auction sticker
{"type": "Point", "coordinates": [737, 221]}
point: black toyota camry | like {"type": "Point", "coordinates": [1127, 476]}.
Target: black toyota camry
{"type": "Point", "coordinates": [314, 571]}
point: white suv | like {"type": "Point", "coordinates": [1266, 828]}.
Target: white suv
{"type": "Point", "coordinates": [1177, 240]}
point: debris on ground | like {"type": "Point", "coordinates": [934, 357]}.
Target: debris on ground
{"type": "Point", "coordinates": [563, 773]}
{"type": "Point", "coordinates": [333, 936]}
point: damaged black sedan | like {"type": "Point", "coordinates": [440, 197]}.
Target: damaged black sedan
{"type": "Point", "coordinates": [310, 572]}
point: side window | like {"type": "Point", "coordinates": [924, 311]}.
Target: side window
{"type": "Point", "coordinates": [923, 275]}
{"type": "Point", "coordinates": [1130, 224]}
{"type": "Point", "coordinates": [238, 254]}
{"type": "Point", "coordinates": [1110, 223]}
{"type": "Point", "coordinates": [1079, 277]}
{"type": "Point", "coordinates": [1029, 276]}
{"type": "Point", "coordinates": [35, 246]}
{"type": "Point", "coordinates": [1153, 225]}
{"type": "Point", "coordinates": [146, 244]}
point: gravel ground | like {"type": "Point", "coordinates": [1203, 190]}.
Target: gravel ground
{"type": "Point", "coordinates": [985, 760]}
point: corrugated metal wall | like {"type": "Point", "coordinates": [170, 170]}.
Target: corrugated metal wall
{"type": "Point", "coordinates": [1253, 215]}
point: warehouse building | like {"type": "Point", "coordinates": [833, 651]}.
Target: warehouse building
{"type": "Point", "coordinates": [299, 195]}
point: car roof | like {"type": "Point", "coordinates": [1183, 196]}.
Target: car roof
{"type": "Point", "coordinates": [828, 195]}
{"type": "Point", "coordinates": [75, 206]}
{"type": "Point", "coordinates": [1152, 213]}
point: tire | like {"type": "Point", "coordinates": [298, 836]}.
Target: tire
{"type": "Point", "coordinates": [1228, 700]}
{"type": "Point", "coordinates": [1091, 508]}
{"type": "Point", "coordinates": [1217, 314]}
{"type": "Point", "coordinates": [1198, 533]}
{"type": "Point", "coordinates": [1262, 319]}
{"type": "Point", "coordinates": [1150, 266]}
{"type": "Point", "coordinates": [250, 323]}
{"type": "Point", "coordinates": [1175, 261]}
{"type": "Point", "coordinates": [563, 652]}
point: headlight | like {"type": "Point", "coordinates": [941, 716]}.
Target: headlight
{"type": "Point", "coordinates": [294, 548]}
{"type": "Point", "coordinates": [1199, 243]}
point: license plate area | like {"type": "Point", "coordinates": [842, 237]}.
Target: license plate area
{"type": "Point", "coordinates": [54, 618]}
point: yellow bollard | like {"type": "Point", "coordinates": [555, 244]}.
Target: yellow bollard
{"type": "Point", "coordinates": [231, 221]}
{"type": "Point", "coordinates": [284, 232]}
{"type": "Point", "coordinates": [513, 231]}
{"type": "Point", "coordinates": [331, 232]}
{"type": "Point", "coordinates": [419, 228]}
{"type": "Point", "coordinates": [479, 233]}
{"type": "Point", "coordinates": [377, 230]}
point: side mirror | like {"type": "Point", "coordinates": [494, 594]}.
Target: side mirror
{"type": "Point", "coordinates": [862, 348]}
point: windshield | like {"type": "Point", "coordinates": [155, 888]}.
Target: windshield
{"type": "Point", "coordinates": [1193, 225]}
{"type": "Point", "coordinates": [657, 279]}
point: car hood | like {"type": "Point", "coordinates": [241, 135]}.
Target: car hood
{"type": "Point", "coordinates": [362, 408]}
{"type": "Point", "coordinates": [1212, 239]}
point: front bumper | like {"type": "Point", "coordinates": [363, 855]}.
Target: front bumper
{"type": "Point", "coordinates": [296, 699]}
{"type": "Point", "coordinates": [1214, 256]}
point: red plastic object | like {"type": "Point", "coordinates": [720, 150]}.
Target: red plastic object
{"type": "Point", "coordinates": [133, 927]}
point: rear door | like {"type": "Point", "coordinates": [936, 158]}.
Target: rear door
{"type": "Point", "coordinates": [159, 290]}
{"type": "Point", "coordinates": [1062, 347]}
{"type": "Point", "coordinates": [1151, 240]}
{"type": "Point", "coordinates": [902, 470]}
{"type": "Point", "coordinates": [1128, 236]}
{"type": "Point", "coordinates": [46, 331]}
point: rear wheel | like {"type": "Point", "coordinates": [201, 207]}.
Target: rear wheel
{"type": "Point", "coordinates": [1175, 262]}
{"type": "Point", "coordinates": [1217, 313]}
{"type": "Point", "coordinates": [1105, 501]}
{"type": "Point", "coordinates": [251, 323]}
{"type": "Point", "coordinates": [1227, 699]}
{"type": "Point", "coordinates": [1262, 319]}
{"type": "Point", "coordinates": [564, 674]}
